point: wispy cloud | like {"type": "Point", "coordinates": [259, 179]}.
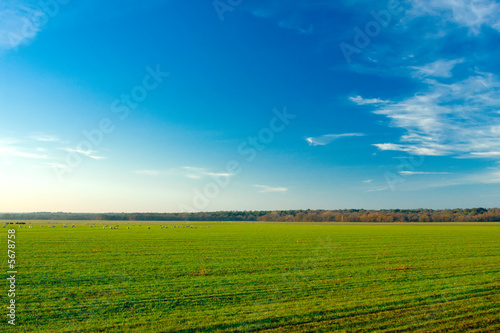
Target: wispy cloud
{"type": "Point", "coordinates": [413, 173]}
{"type": "Point", "coordinates": [378, 189]}
{"type": "Point", "coordinates": [269, 189]}
{"type": "Point", "coordinates": [471, 14]}
{"type": "Point", "coordinates": [198, 173]}
{"type": "Point", "coordinates": [59, 166]}
{"type": "Point", "coordinates": [291, 16]}
{"type": "Point", "coordinates": [366, 101]}
{"type": "Point", "coordinates": [89, 153]}
{"type": "Point", "coordinates": [187, 171]}
{"type": "Point", "coordinates": [19, 23]}
{"type": "Point", "coordinates": [7, 152]}
{"type": "Point", "coordinates": [219, 174]}
{"type": "Point", "coordinates": [439, 68]}
{"type": "Point", "coordinates": [9, 141]}
{"type": "Point", "coordinates": [46, 138]}
{"type": "Point", "coordinates": [368, 181]}
{"type": "Point", "coordinates": [490, 176]}
{"type": "Point", "coordinates": [459, 118]}
{"type": "Point", "coordinates": [423, 35]}
{"type": "Point", "coordinates": [195, 173]}
{"type": "Point", "coordinates": [486, 154]}
{"type": "Point", "coordinates": [411, 149]}
{"type": "Point", "coordinates": [486, 177]}
{"type": "Point", "coordinates": [329, 138]}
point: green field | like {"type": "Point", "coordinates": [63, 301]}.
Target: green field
{"type": "Point", "coordinates": [234, 277]}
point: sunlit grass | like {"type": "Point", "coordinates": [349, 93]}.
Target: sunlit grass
{"type": "Point", "coordinates": [249, 277]}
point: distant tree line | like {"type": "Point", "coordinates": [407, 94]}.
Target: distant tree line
{"type": "Point", "coordinates": [344, 215]}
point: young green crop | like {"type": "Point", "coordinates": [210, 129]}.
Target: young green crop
{"type": "Point", "coordinates": [229, 277]}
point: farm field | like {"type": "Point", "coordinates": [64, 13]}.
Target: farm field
{"type": "Point", "coordinates": [233, 277]}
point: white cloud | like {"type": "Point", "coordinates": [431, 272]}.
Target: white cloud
{"type": "Point", "coordinates": [188, 172]}
{"type": "Point", "coordinates": [57, 166]}
{"type": "Point", "coordinates": [368, 181]}
{"type": "Point", "coordinates": [46, 138]}
{"type": "Point", "coordinates": [412, 173]}
{"type": "Point", "coordinates": [269, 189]}
{"type": "Point", "coordinates": [491, 176]}
{"type": "Point", "coordinates": [473, 14]}
{"type": "Point", "coordinates": [19, 23]}
{"type": "Point", "coordinates": [88, 153]}
{"type": "Point", "coordinates": [219, 174]}
{"type": "Point", "coordinates": [198, 173]}
{"type": "Point", "coordinates": [7, 152]}
{"type": "Point", "coordinates": [329, 138]}
{"type": "Point", "coordinates": [439, 68]}
{"type": "Point", "coordinates": [364, 101]}
{"type": "Point", "coordinates": [414, 150]}
{"type": "Point", "coordinates": [378, 189]}
{"type": "Point", "coordinates": [448, 119]}
{"type": "Point", "coordinates": [487, 154]}
{"type": "Point", "coordinates": [9, 141]}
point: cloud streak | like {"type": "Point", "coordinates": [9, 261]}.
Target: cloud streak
{"type": "Point", "coordinates": [413, 173]}
{"type": "Point", "coordinates": [439, 68]}
{"type": "Point", "coordinates": [269, 189]}
{"type": "Point", "coordinates": [187, 171]}
{"type": "Point", "coordinates": [329, 138]}
{"type": "Point", "coordinates": [198, 173]}
{"type": "Point", "coordinates": [7, 152]}
{"type": "Point", "coordinates": [454, 119]}
{"type": "Point", "coordinates": [490, 176]}
{"type": "Point", "coordinates": [46, 138]}
{"type": "Point", "coordinates": [367, 101]}
{"type": "Point", "coordinates": [378, 189]}
{"type": "Point", "coordinates": [89, 153]}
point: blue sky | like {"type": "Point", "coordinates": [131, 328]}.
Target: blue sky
{"type": "Point", "coordinates": [171, 106]}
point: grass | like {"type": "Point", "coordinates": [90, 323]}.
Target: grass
{"type": "Point", "coordinates": [233, 277]}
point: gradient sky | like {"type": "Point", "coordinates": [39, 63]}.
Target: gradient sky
{"type": "Point", "coordinates": [171, 106]}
